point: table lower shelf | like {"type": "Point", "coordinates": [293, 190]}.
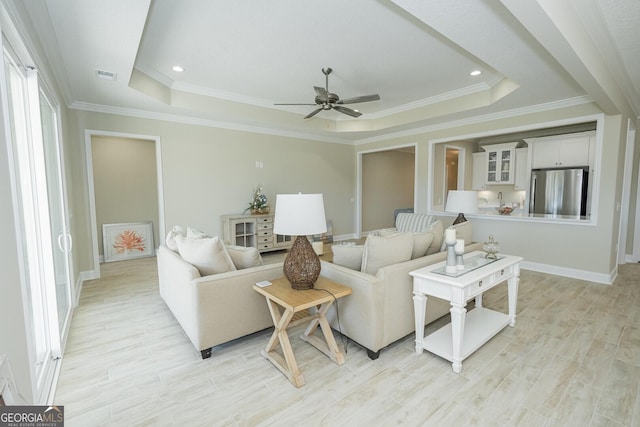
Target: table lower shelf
{"type": "Point", "coordinates": [481, 324]}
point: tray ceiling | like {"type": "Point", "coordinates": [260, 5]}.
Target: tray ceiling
{"type": "Point", "coordinates": [240, 57]}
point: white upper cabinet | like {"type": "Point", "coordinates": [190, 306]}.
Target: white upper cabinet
{"type": "Point", "coordinates": [500, 163]}
{"type": "Point", "coordinates": [562, 151]}
{"type": "Point", "coordinates": [523, 172]}
{"type": "Point", "coordinates": [479, 171]}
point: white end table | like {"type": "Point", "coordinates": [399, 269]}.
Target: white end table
{"type": "Point", "coordinates": [466, 333]}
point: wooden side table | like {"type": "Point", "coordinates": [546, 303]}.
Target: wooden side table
{"type": "Point", "coordinates": [466, 333]}
{"type": "Point", "coordinates": [284, 302]}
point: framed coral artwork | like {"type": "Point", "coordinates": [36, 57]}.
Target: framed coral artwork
{"type": "Point", "coordinates": [127, 241]}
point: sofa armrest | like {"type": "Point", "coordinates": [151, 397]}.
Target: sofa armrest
{"type": "Point", "coordinates": [380, 309]}
{"type": "Point", "coordinates": [173, 271]}
{"type": "Point", "coordinates": [360, 313]}
{"type": "Point", "coordinates": [226, 307]}
{"type": "Point", "coordinates": [217, 308]}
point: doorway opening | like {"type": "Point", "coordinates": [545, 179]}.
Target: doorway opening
{"type": "Point", "coordinates": [98, 199]}
{"type": "Point", "coordinates": [386, 182]}
{"type": "Point", "coordinates": [451, 163]}
{"type": "Point", "coordinates": [452, 159]}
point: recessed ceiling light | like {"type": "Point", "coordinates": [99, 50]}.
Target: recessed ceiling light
{"type": "Point", "coordinates": [177, 68]}
{"type": "Point", "coordinates": [475, 72]}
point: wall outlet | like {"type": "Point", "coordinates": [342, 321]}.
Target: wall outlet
{"type": "Point", "coordinates": [259, 164]}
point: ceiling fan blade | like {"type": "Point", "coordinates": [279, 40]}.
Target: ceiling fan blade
{"type": "Point", "coordinates": [357, 99]}
{"type": "Point", "coordinates": [322, 93]}
{"type": "Point", "coordinates": [313, 113]}
{"type": "Point", "coordinates": [311, 105]}
{"type": "Point", "coordinates": [347, 111]}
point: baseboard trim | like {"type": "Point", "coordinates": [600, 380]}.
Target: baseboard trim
{"type": "Point", "coordinates": [88, 275]}
{"type": "Point", "coordinates": [82, 277]}
{"type": "Point", "coordinates": [573, 273]}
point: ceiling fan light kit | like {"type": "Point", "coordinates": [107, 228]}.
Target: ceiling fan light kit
{"type": "Point", "coordinates": [326, 100]}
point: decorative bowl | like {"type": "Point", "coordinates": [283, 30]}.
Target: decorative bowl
{"type": "Point", "coordinates": [504, 210]}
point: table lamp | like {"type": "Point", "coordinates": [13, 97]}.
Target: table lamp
{"type": "Point", "coordinates": [300, 215]}
{"type": "Point", "coordinates": [461, 201]}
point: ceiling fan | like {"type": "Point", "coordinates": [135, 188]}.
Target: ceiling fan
{"type": "Point", "coordinates": [326, 100]}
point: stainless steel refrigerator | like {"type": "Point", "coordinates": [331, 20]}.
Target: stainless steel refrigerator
{"type": "Point", "coordinates": [559, 191]}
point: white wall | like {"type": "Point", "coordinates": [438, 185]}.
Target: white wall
{"type": "Point", "coordinates": [208, 172]}
{"type": "Point", "coordinates": [125, 182]}
{"type": "Point", "coordinates": [577, 250]}
{"type": "Point", "coordinates": [387, 184]}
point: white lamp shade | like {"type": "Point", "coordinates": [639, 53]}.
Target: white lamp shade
{"type": "Point", "coordinates": [299, 215]}
{"type": "Point", "coordinates": [461, 201]}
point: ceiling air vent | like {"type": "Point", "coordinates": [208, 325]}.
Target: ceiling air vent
{"type": "Point", "coordinates": [106, 75]}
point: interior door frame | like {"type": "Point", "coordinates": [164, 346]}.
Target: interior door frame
{"type": "Point", "coordinates": [358, 213]}
{"type": "Point", "coordinates": [88, 136]}
{"type": "Point", "coordinates": [461, 168]}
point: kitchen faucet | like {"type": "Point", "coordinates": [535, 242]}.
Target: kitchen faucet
{"type": "Point", "coordinates": [500, 198]}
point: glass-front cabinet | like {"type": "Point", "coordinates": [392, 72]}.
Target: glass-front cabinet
{"type": "Point", "coordinates": [253, 231]}
{"type": "Point", "coordinates": [500, 163]}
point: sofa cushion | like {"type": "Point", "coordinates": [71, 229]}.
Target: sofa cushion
{"type": "Point", "coordinates": [383, 231]}
{"type": "Point", "coordinates": [207, 254]}
{"type": "Point", "coordinates": [349, 256]}
{"type": "Point", "coordinates": [413, 222]}
{"type": "Point", "coordinates": [194, 233]}
{"type": "Point", "coordinates": [244, 257]}
{"type": "Point", "coordinates": [421, 241]}
{"type": "Point", "coordinates": [380, 251]}
{"type": "Point", "coordinates": [421, 244]}
{"type": "Point", "coordinates": [437, 230]}
{"type": "Point", "coordinates": [170, 241]}
{"type": "Point", "coordinates": [464, 231]}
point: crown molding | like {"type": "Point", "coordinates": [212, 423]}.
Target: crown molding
{"type": "Point", "coordinates": [259, 102]}
{"type": "Point", "coordinates": [37, 48]}
{"type": "Point", "coordinates": [128, 112]}
{"type": "Point", "coordinates": [564, 103]}
{"type": "Point", "coordinates": [227, 96]}
{"type": "Point", "coordinates": [175, 118]}
{"type": "Point", "coordinates": [447, 96]}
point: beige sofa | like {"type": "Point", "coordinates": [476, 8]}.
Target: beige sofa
{"type": "Point", "coordinates": [217, 308]}
{"type": "Point", "coordinates": [380, 309]}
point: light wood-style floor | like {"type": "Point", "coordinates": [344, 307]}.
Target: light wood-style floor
{"type": "Point", "coordinates": [573, 359]}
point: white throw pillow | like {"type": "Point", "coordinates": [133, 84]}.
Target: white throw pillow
{"type": "Point", "coordinates": [170, 241]}
{"type": "Point", "coordinates": [194, 233]}
{"type": "Point", "coordinates": [437, 230]}
{"type": "Point", "coordinates": [421, 241]}
{"type": "Point", "coordinates": [244, 257]}
{"type": "Point", "coordinates": [206, 254]}
{"type": "Point", "coordinates": [383, 231]}
{"type": "Point", "coordinates": [349, 256]}
{"type": "Point", "coordinates": [381, 251]}
{"type": "Point", "coordinates": [464, 231]}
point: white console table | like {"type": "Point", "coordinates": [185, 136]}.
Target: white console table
{"type": "Point", "coordinates": [466, 333]}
